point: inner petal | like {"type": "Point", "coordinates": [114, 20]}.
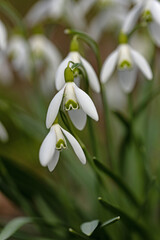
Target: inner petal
{"type": "Point", "coordinates": [60, 140]}
{"type": "Point", "coordinates": [70, 101]}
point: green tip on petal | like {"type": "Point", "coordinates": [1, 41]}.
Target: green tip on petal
{"type": "Point", "coordinates": [123, 38]}
{"type": "Point", "coordinates": [68, 75]}
{"type": "Point", "coordinates": [70, 104]}
{"type": "Point", "coordinates": [74, 46]}
{"type": "Point", "coordinates": [60, 144]}
{"type": "Point", "coordinates": [125, 64]}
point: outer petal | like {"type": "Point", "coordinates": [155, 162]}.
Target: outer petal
{"type": "Point", "coordinates": [78, 118]}
{"type": "Point", "coordinates": [3, 133]}
{"type": "Point", "coordinates": [54, 108]}
{"type": "Point", "coordinates": [3, 38]}
{"type": "Point", "coordinates": [86, 103]}
{"type": "Point", "coordinates": [52, 164]}
{"type": "Point", "coordinates": [109, 66]}
{"type": "Point", "coordinates": [132, 18]}
{"type": "Point", "coordinates": [155, 10]}
{"type": "Point", "coordinates": [47, 148]}
{"type": "Point", "coordinates": [154, 29]}
{"type": "Point", "coordinates": [38, 12]}
{"type": "Point", "coordinates": [127, 79]}
{"type": "Point", "coordinates": [76, 146]}
{"type": "Point", "coordinates": [92, 77]}
{"type": "Point", "coordinates": [141, 63]}
{"type": "Point", "coordinates": [59, 79]}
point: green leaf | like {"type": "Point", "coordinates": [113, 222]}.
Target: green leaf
{"type": "Point", "coordinates": [78, 235]}
{"type": "Point", "coordinates": [13, 15]}
{"type": "Point", "coordinates": [132, 224]}
{"type": "Point", "coordinates": [142, 106]}
{"type": "Point", "coordinates": [89, 227]}
{"type": "Point", "coordinates": [14, 226]}
{"type": "Point", "coordinates": [111, 221]}
{"type": "Point", "coordinates": [118, 181]}
{"type": "Point", "coordinates": [87, 39]}
{"type": "Point", "coordinates": [122, 119]}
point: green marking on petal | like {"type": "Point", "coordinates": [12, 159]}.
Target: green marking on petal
{"type": "Point", "coordinates": [125, 64]}
{"type": "Point", "coordinates": [70, 104]}
{"type": "Point", "coordinates": [60, 144]}
{"type": "Point", "coordinates": [147, 16]}
{"type": "Point", "coordinates": [68, 75]}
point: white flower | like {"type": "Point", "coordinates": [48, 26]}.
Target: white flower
{"type": "Point", "coordinates": [46, 59]}
{"type": "Point", "coordinates": [127, 60]}
{"type": "Point", "coordinates": [18, 50]}
{"type": "Point", "coordinates": [66, 10]}
{"type": "Point", "coordinates": [76, 58]}
{"type": "Point", "coordinates": [3, 133]}
{"type": "Point", "coordinates": [3, 37]}
{"type": "Point", "coordinates": [150, 11]}
{"type": "Point", "coordinates": [111, 15]}
{"type": "Point", "coordinates": [76, 102]}
{"type": "Point", "coordinates": [54, 143]}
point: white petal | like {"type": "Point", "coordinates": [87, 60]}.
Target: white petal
{"type": "Point", "coordinates": [78, 117]}
{"type": "Point", "coordinates": [47, 148]}
{"type": "Point", "coordinates": [54, 108]}
{"type": "Point", "coordinates": [3, 37]}
{"type": "Point", "coordinates": [86, 103]}
{"type": "Point", "coordinates": [127, 79]}
{"type": "Point", "coordinates": [3, 133]}
{"type": "Point", "coordinates": [141, 63]}
{"type": "Point", "coordinates": [154, 29]}
{"type": "Point", "coordinates": [92, 77]}
{"type": "Point", "coordinates": [155, 10]}
{"type": "Point", "coordinates": [38, 12]}
{"type": "Point", "coordinates": [52, 164]}
{"type": "Point", "coordinates": [76, 146]}
{"type": "Point", "coordinates": [59, 79]}
{"type": "Point", "coordinates": [132, 18]}
{"type": "Point", "coordinates": [109, 66]}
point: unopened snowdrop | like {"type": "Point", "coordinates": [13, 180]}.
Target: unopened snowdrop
{"type": "Point", "coordinates": [54, 143]}
{"type": "Point", "coordinates": [73, 100]}
{"type": "Point", "coordinates": [126, 60]}
{"type": "Point", "coordinates": [149, 10]}
{"type": "Point", "coordinates": [74, 56]}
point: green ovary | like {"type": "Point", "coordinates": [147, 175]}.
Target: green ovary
{"type": "Point", "coordinates": [147, 16]}
{"type": "Point", "coordinates": [125, 64]}
{"type": "Point", "coordinates": [70, 104]}
{"type": "Point", "coordinates": [60, 144]}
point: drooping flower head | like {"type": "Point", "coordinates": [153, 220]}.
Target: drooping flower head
{"type": "Point", "coordinates": [73, 100]}
{"type": "Point", "coordinates": [126, 60]}
{"type": "Point", "coordinates": [54, 143]}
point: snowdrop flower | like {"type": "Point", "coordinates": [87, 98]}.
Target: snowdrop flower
{"type": "Point", "coordinates": [126, 59]}
{"type": "Point", "coordinates": [74, 56]}
{"type": "Point", "coordinates": [46, 58]}
{"type": "Point", "coordinates": [3, 133]}
{"type": "Point", "coordinates": [66, 10]}
{"type": "Point", "coordinates": [112, 14]}
{"type": "Point", "coordinates": [18, 50]}
{"type": "Point", "coordinates": [54, 143]}
{"type": "Point", "coordinates": [6, 75]}
{"type": "Point", "coordinates": [150, 11]}
{"type": "Point", "coordinates": [75, 101]}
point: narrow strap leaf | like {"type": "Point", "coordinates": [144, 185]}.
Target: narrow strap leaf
{"type": "Point", "coordinates": [127, 220]}
{"type": "Point", "coordinates": [14, 226]}
{"type": "Point", "coordinates": [118, 181]}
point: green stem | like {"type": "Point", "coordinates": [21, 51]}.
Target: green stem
{"type": "Point", "coordinates": [109, 140]}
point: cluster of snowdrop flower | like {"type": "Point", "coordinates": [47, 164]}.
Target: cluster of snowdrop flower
{"type": "Point", "coordinates": [72, 100]}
